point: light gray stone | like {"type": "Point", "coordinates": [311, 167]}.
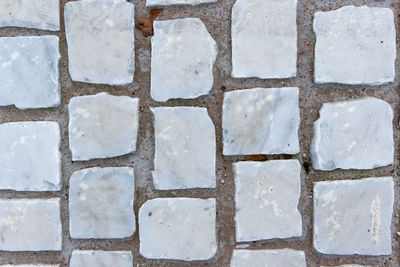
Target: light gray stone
{"type": "Point", "coordinates": [262, 258]}
{"type": "Point", "coordinates": [30, 159]}
{"type": "Point", "coordinates": [261, 121]}
{"type": "Point", "coordinates": [183, 56]}
{"type": "Point", "coordinates": [266, 198]}
{"type": "Point", "coordinates": [353, 216]}
{"type": "Point", "coordinates": [264, 39]}
{"type": "Point", "coordinates": [355, 45]}
{"type": "Point", "coordinates": [178, 228]}
{"type": "Point", "coordinates": [30, 224]}
{"type": "Point", "coordinates": [355, 134]}
{"type": "Point", "coordinates": [185, 148]}
{"type": "Point", "coordinates": [152, 3]}
{"type": "Point", "coordinates": [102, 126]}
{"type": "Point", "coordinates": [39, 14]}
{"type": "Point", "coordinates": [29, 72]}
{"type": "Point", "coordinates": [91, 258]}
{"type": "Point", "coordinates": [101, 203]}
{"type": "Point", "coordinates": [100, 36]}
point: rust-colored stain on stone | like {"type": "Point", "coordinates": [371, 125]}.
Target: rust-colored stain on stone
{"type": "Point", "coordinates": [145, 24]}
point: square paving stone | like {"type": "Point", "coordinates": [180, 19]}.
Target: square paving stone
{"type": "Point", "coordinates": [273, 258]}
{"type": "Point", "coordinates": [152, 3]}
{"type": "Point", "coordinates": [353, 216]}
{"type": "Point", "coordinates": [91, 258]}
{"type": "Point", "coordinates": [101, 203]}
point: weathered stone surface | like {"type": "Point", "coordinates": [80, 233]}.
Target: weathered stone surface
{"type": "Point", "coordinates": [178, 228]}
{"type": "Point", "coordinates": [183, 56]}
{"type": "Point", "coordinates": [266, 197]}
{"type": "Point", "coordinates": [152, 3]}
{"type": "Point", "coordinates": [261, 258]}
{"type": "Point", "coordinates": [261, 121]}
{"type": "Point", "coordinates": [94, 209]}
{"type": "Point", "coordinates": [30, 224]}
{"type": "Point", "coordinates": [39, 14]}
{"type": "Point", "coordinates": [29, 72]}
{"type": "Point", "coordinates": [86, 258]}
{"type": "Point", "coordinates": [185, 148]}
{"type": "Point", "coordinates": [102, 126]}
{"type": "Point", "coordinates": [355, 45]}
{"type": "Point", "coordinates": [100, 36]}
{"type": "Point", "coordinates": [355, 134]}
{"type": "Point", "coordinates": [30, 159]}
{"type": "Point", "coordinates": [264, 39]}
{"type": "Point", "coordinates": [353, 216]}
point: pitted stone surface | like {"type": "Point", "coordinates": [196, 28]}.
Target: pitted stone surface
{"type": "Point", "coordinates": [86, 258]}
{"type": "Point", "coordinates": [262, 258]}
{"type": "Point", "coordinates": [100, 36]}
{"type": "Point", "coordinates": [30, 159]}
{"type": "Point", "coordinates": [29, 71]}
{"type": "Point", "coordinates": [355, 134]}
{"type": "Point", "coordinates": [261, 121]}
{"type": "Point", "coordinates": [101, 203]}
{"type": "Point", "coordinates": [178, 228]}
{"type": "Point", "coordinates": [185, 148]}
{"type": "Point", "coordinates": [183, 56]}
{"type": "Point", "coordinates": [152, 3]}
{"type": "Point", "coordinates": [353, 216]}
{"type": "Point", "coordinates": [266, 197]}
{"type": "Point", "coordinates": [102, 126]}
{"type": "Point", "coordinates": [355, 45]}
{"type": "Point", "coordinates": [30, 224]}
{"type": "Point", "coordinates": [264, 39]}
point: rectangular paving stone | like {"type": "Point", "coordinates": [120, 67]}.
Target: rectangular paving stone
{"type": "Point", "coordinates": [152, 3]}
{"type": "Point", "coordinates": [273, 257]}
{"type": "Point", "coordinates": [91, 258]}
{"type": "Point", "coordinates": [30, 224]}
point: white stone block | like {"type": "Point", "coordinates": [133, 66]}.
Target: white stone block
{"type": "Point", "coordinates": [273, 258]}
{"type": "Point", "coordinates": [153, 3]}
{"type": "Point", "coordinates": [99, 258]}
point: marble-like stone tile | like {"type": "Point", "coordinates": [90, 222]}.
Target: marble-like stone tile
{"type": "Point", "coordinates": [102, 126]}
{"type": "Point", "coordinates": [184, 148]}
{"type": "Point", "coordinates": [30, 159]}
{"type": "Point", "coordinates": [273, 257]}
{"type": "Point", "coordinates": [178, 228]}
{"type": "Point", "coordinates": [261, 121]}
{"type": "Point", "coordinates": [356, 134]}
{"type": "Point", "coordinates": [183, 56]}
{"type": "Point", "coordinates": [30, 224]}
{"type": "Point", "coordinates": [99, 258]}
{"type": "Point", "coordinates": [353, 216]}
{"type": "Point", "coordinates": [29, 71]}
{"type": "Point", "coordinates": [355, 45]}
{"type": "Point", "coordinates": [100, 36]}
{"type": "Point", "coordinates": [153, 3]}
{"type": "Point", "coordinates": [101, 203]}
{"type": "Point", "coordinates": [264, 39]}
{"type": "Point", "coordinates": [267, 194]}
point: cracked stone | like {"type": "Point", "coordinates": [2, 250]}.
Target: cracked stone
{"type": "Point", "coordinates": [153, 3]}
{"type": "Point", "coordinates": [85, 258]}
{"type": "Point", "coordinates": [273, 257]}
{"type": "Point", "coordinates": [183, 56]}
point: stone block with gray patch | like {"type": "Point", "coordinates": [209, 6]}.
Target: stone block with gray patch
{"type": "Point", "coordinates": [153, 3]}
{"type": "Point", "coordinates": [99, 258]}
{"type": "Point", "coordinates": [272, 257]}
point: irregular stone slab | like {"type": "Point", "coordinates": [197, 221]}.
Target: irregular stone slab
{"type": "Point", "coordinates": [39, 14]}
{"type": "Point", "coordinates": [264, 39]}
{"type": "Point", "coordinates": [85, 258]}
{"type": "Point", "coordinates": [94, 209]}
{"type": "Point", "coordinates": [261, 258]}
{"type": "Point", "coordinates": [29, 72]}
{"type": "Point", "coordinates": [152, 3]}
{"type": "Point", "coordinates": [30, 224]}
{"type": "Point", "coordinates": [178, 228]}
{"type": "Point", "coordinates": [100, 37]}
{"type": "Point", "coordinates": [355, 45]}
{"type": "Point", "coordinates": [102, 126]}
{"type": "Point", "coordinates": [185, 148]}
{"type": "Point", "coordinates": [354, 134]}
{"type": "Point", "coordinates": [261, 121]}
{"type": "Point", "coordinates": [183, 56]}
{"type": "Point", "coordinates": [267, 193]}
{"type": "Point", "coordinates": [353, 216]}
{"type": "Point", "coordinates": [30, 159]}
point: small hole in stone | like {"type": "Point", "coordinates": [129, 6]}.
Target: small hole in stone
{"type": "Point", "coordinates": [150, 213]}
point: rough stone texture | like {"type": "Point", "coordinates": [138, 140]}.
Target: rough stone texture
{"type": "Point", "coordinates": [183, 56]}
{"type": "Point", "coordinates": [261, 121]}
{"type": "Point", "coordinates": [30, 224]}
{"type": "Point", "coordinates": [184, 148]}
{"type": "Point", "coordinates": [355, 45]}
{"type": "Point", "coordinates": [30, 159]}
{"type": "Point", "coordinates": [86, 258]}
{"type": "Point", "coordinates": [267, 195]}
{"type": "Point", "coordinates": [264, 39]}
{"type": "Point", "coordinates": [100, 41]}
{"type": "Point", "coordinates": [102, 126]}
{"type": "Point", "coordinates": [152, 3]}
{"type": "Point", "coordinates": [178, 228]}
{"type": "Point", "coordinates": [262, 258]}
{"type": "Point", "coordinates": [101, 203]}
{"type": "Point", "coordinates": [354, 134]}
{"type": "Point", "coordinates": [29, 71]}
{"type": "Point", "coordinates": [353, 216]}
